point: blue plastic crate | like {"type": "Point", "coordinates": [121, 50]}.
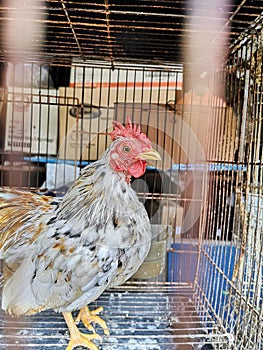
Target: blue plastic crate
{"type": "Point", "coordinates": [183, 266]}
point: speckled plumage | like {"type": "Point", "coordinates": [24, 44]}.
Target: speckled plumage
{"type": "Point", "coordinates": [63, 255]}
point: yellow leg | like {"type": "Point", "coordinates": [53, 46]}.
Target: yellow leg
{"type": "Point", "coordinates": [87, 316]}
{"type": "Point", "coordinates": [76, 337]}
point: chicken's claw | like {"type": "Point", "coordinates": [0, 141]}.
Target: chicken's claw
{"type": "Point", "coordinates": [87, 317]}
{"type": "Point", "coordinates": [84, 340]}
{"type": "Point", "coordinates": [76, 337]}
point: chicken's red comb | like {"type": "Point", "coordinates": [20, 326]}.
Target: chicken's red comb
{"type": "Point", "coordinates": [129, 130]}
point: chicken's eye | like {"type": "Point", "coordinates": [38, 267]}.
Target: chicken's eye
{"type": "Point", "coordinates": [126, 149]}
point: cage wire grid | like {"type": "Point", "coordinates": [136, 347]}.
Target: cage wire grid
{"type": "Point", "coordinates": [140, 315]}
{"type": "Point", "coordinates": [209, 289]}
{"type": "Point", "coordinates": [120, 30]}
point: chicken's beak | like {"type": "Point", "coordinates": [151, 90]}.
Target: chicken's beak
{"type": "Point", "coordinates": [151, 154]}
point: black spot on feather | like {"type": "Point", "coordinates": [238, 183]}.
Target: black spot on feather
{"type": "Point", "coordinates": [34, 276]}
{"type": "Point", "coordinates": [74, 234]}
{"type": "Point", "coordinates": [115, 220]}
{"type": "Point", "coordinates": [52, 220]}
{"type": "Point", "coordinates": [106, 267]}
{"type": "Point", "coordinates": [54, 203]}
{"type": "Point", "coordinates": [67, 233]}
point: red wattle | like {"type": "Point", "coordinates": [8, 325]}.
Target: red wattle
{"type": "Point", "coordinates": [138, 169]}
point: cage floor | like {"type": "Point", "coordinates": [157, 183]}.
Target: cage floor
{"type": "Point", "coordinates": [140, 316]}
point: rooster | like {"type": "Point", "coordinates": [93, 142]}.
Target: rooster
{"type": "Point", "coordinates": [62, 255]}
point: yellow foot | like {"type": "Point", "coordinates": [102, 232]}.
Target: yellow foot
{"type": "Point", "coordinates": [77, 338]}
{"type": "Point", "coordinates": [84, 340]}
{"type": "Point", "coordinates": [87, 316]}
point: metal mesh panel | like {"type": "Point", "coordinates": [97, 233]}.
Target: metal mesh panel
{"type": "Point", "coordinates": [201, 284]}
{"type": "Point", "coordinates": [233, 263]}
{"type": "Point", "coordinates": [143, 31]}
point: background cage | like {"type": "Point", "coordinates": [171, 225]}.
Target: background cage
{"type": "Point", "coordinates": [85, 64]}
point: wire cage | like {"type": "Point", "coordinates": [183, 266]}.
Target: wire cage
{"type": "Point", "coordinates": [200, 287]}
